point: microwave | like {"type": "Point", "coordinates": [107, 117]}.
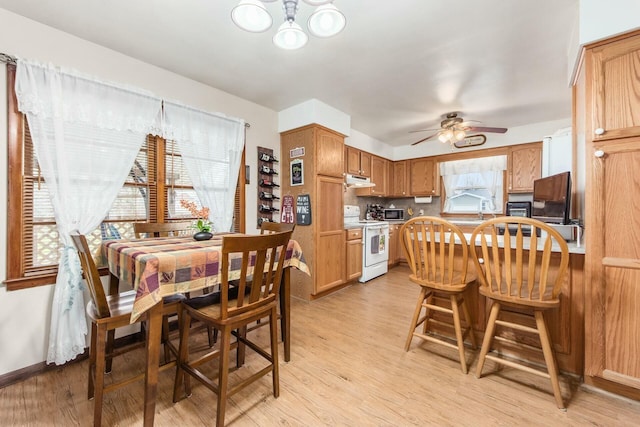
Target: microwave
{"type": "Point", "coordinates": [393, 214]}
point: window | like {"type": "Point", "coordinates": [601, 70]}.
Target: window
{"type": "Point", "coordinates": [152, 192]}
{"type": "Point", "coordinates": [474, 186]}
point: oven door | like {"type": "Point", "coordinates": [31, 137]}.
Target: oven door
{"type": "Point", "coordinates": [376, 244]}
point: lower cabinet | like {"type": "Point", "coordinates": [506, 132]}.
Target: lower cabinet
{"type": "Point", "coordinates": [354, 254]}
{"type": "Point", "coordinates": [396, 254]}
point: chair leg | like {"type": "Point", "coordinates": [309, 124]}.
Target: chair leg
{"type": "Point", "coordinates": [183, 355]}
{"type": "Point", "coordinates": [223, 374]}
{"type": "Point", "coordinates": [458, 328]}
{"type": "Point", "coordinates": [275, 372]}
{"type": "Point", "coordinates": [241, 351]}
{"type": "Point", "coordinates": [92, 361]}
{"type": "Point", "coordinates": [414, 319]}
{"type": "Point", "coordinates": [212, 335]}
{"type": "Point", "coordinates": [488, 336]}
{"type": "Point", "coordinates": [549, 357]}
{"type": "Point", "coordinates": [467, 316]}
{"type": "Point", "coordinates": [110, 343]}
{"type": "Point", "coordinates": [165, 338]}
{"type": "Point", "coordinates": [101, 333]}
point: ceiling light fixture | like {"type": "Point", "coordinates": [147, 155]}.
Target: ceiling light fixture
{"type": "Point", "coordinates": [325, 21]}
{"type": "Point", "coordinates": [451, 135]}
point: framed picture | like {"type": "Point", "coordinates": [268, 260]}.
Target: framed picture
{"type": "Point", "coordinates": [297, 172]}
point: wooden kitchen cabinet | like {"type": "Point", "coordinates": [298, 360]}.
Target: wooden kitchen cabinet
{"type": "Point", "coordinates": [358, 162]}
{"type": "Point", "coordinates": [525, 166]}
{"type": "Point", "coordinates": [614, 88]}
{"type": "Point", "coordinates": [424, 177]}
{"type": "Point", "coordinates": [399, 178]}
{"type": "Point", "coordinates": [379, 177]}
{"type": "Point", "coordinates": [607, 97]}
{"type": "Point", "coordinates": [396, 254]}
{"type": "Point", "coordinates": [328, 155]}
{"type": "Point", "coordinates": [354, 254]}
{"type": "Point", "coordinates": [323, 240]}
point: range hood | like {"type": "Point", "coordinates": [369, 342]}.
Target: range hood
{"type": "Point", "coordinates": [358, 181]}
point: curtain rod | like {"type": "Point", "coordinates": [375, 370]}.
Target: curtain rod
{"type": "Point", "coordinates": [10, 59]}
{"type": "Point", "coordinates": [7, 59]}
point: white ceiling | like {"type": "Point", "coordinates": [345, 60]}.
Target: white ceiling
{"type": "Point", "coordinates": [399, 65]}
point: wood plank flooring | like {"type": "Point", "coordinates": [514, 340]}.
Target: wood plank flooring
{"type": "Point", "coordinates": [348, 368]}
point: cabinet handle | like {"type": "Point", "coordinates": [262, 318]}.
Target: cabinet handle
{"type": "Point", "coordinates": [599, 131]}
{"type": "Point", "coordinates": [599, 153]}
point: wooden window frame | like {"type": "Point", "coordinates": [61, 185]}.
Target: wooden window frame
{"type": "Point", "coordinates": [17, 275]}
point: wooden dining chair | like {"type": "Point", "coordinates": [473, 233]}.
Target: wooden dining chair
{"type": "Point", "coordinates": [238, 306]}
{"type": "Point", "coordinates": [276, 227]}
{"type": "Point", "coordinates": [166, 229]}
{"type": "Point", "coordinates": [437, 253]}
{"type": "Point", "coordinates": [527, 277]}
{"type": "Point", "coordinates": [108, 313]}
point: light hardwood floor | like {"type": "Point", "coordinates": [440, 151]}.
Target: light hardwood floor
{"type": "Point", "coordinates": [348, 368]}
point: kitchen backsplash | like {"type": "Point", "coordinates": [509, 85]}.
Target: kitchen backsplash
{"type": "Point", "coordinates": [431, 209]}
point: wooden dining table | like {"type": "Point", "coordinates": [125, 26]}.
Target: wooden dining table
{"type": "Point", "coordinates": [164, 266]}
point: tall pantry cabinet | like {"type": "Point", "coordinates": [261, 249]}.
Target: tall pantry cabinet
{"type": "Point", "coordinates": [607, 113]}
{"type": "Point", "coordinates": [322, 241]}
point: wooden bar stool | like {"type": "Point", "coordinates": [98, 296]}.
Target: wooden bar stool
{"type": "Point", "coordinates": [529, 278]}
{"type": "Point", "coordinates": [438, 256]}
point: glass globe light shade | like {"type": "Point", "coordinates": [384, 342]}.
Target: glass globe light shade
{"type": "Point", "coordinates": [326, 21]}
{"type": "Point", "coordinates": [290, 36]}
{"type": "Point", "coordinates": [317, 2]}
{"type": "Point", "coordinates": [459, 135]}
{"type": "Point", "coordinates": [251, 15]}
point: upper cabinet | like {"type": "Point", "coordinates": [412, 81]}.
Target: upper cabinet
{"type": "Point", "coordinates": [525, 166]}
{"type": "Point", "coordinates": [379, 177]}
{"type": "Point", "coordinates": [358, 162]}
{"type": "Point", "coordinates": [399, 179]}
{"type": "Point", "coordinates": [424, 177]}
{"type": "Point", "coordinates": [329, 149]}
{"type": "Point", "coordinates": [614, 86]}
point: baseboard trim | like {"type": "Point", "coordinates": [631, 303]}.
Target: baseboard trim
{"type": "Point", "coordinates": [42, 367]}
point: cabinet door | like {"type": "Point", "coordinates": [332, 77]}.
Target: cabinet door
{"type": "Point", "coordinates": [612, 274]}
{"type": "Point", "coordinates": [424, 177]}
{"type": "Point", "coordinates": [525, 167]}
{"type": "Point", "coordinates": [358, 162]}
{"type": "Point", "coordinates": [354, 258]}
{"type": "Point", "coordinates": [379, 175]}
{"type": "Point", "coordinates": [615, 94]}
{"type": "Point", "coordinates": [365, 164]}
{"type": "Point", "coordinates": [330, 239]}
{"type": "Point", "coordinates": [400, 179]}
{"type": "Point", "coordinates": [353, 160]}
{"type": "Point", "coordinates": [329, 153]}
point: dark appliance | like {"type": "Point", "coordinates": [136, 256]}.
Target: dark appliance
{"type": "Point", "coordinates": [552, 198]}
{"type": "Point", "coordinates": [522, 209]}
{"type": "Point", "coordinates": [519, 209]}
{"type": "Point", "coordinates": [393, 214]}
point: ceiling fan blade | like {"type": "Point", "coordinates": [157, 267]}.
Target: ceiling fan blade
{"type": "Point", "coordinates": [423, 130]}
{"type": "Point", "coordinates": [424, 139]}
{"type": "Point", "coordinates": [485, 129]}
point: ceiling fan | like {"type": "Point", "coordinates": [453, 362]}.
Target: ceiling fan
{"type": "Point", "coordinates": [454, 129]}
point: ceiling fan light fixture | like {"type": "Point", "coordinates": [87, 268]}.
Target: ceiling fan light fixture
{"type": "Point", "coordinates": [290, 36]}
{"type": "Point", "coordinates": [252, 16]}
{"type": "Point", "coordinates": [459, 135]}
{"type": "Point", "coordinates": [326, 21]}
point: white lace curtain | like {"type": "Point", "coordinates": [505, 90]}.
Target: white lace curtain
{"type": "Point", "coordinates": [211, 147]}
{"type": "Point", "coordinates": [485, 171]}
{"type": "Point", "coordinates": [86, 135]}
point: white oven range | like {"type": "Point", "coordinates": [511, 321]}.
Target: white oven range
{"type": "Point", "coordinates": [375, 248]}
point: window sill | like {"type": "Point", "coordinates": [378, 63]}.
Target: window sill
{"type": "Point", "coordinates": [39, 280]}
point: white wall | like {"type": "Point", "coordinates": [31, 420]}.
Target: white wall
{"type": "Point", "coordinates": [602, 19]}
{"type": "Point", "coordinates": [24, 315]}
